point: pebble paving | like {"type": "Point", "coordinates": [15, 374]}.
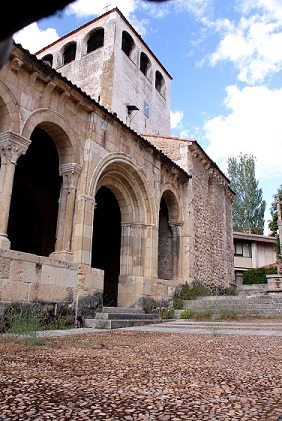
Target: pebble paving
{"type": "Point", "coordinates": [135, 375]}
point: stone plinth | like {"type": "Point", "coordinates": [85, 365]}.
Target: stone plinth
{"type": "Point", "coordinates": [274, 283]}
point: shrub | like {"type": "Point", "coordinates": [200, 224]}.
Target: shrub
{"type": "Point", "coordinates": [186, 314]}
{"type": "Point", "coordinates": [190, 292]}
{"type": "Point", "coordinates": [258, 276]}
{"type": "Point", "coordinates": [167, 313]}
{"type": "Point", "coordinates": [177, 303]}
{"type": "Point", "coordinates": [21, 318]}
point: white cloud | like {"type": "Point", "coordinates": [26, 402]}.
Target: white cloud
{"type": "Point", "coordinates": [88, 8]}
{"type": "Point", "coordinates": [33, 39]}
{"type": "Point", "coordinates": [253, 126]}
{"type": "Point", "coordinates": [253, 44]}
{"type": "Point", "coordinates": [176, 119]}
{"type": "Point", "coordinates": [197, 7]}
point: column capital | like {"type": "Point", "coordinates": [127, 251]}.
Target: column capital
{"type": "Point", "coordinates": [12, 146]}
{"type": "Point", "coordinates": [70, 173]}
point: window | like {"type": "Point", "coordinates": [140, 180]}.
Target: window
{"type": "Point", "coordinates": [243, 248]}
{"type": "Point", "coordinates": [159, 82]}
{"type": "Point", "coordinates": [96, 40]}
{"type": "Point", "coordinates": [127, 43]}
{"type": "Point", "coordinates": [48, 59]}
{"type": "Point", "coordinates": [69, 53]}
{"type": "Point", "coordinates": [144, 63]}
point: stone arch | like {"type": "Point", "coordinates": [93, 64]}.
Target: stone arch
{"type": "Point", "coordinates": [46, 177]}
{"type": "Point", "coordinates": [58, 128]}
{"type": "Point", "coordinates": [169, 234]}
{"type": "Point", "coordinates": [134, 213]}
{"type": "Point", "coordinates": [35, 195]}
{"type": "Point", "coordinates": [9, 112]}
{"type": "Point", "coordinates": [126, 179]}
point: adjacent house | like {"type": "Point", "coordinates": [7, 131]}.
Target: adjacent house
{"type": "Point", "coordinates": [252, 251]}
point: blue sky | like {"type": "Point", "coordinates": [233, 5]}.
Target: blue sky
{"type": "Point", "coordinates": [225, 58]}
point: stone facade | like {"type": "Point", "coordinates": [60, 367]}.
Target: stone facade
{"type": "Point", "coordinates": [89, 206]}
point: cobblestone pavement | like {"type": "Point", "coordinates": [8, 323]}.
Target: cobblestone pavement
{"type": "Point", "coordinates": [129, 374]}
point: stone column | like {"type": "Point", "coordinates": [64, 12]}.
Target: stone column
{"type": "Point", "coordinates": [176, 255]}
{"type": "Point", "coordinates": [70, 173]}
{"type": "Point", "coordinates": [12, 146]}
{"type": "Point", "coordinates": [126, 250]}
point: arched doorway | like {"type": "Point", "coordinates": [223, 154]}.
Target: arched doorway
{"type": "Point", "coordinates": [106, 242]}
{"type": "Point", "coordinates": [34, 203]}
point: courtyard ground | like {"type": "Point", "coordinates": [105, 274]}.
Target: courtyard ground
{"type": "Point", "coordinates": [165, 372]}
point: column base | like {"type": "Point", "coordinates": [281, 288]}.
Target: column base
{"type": "Point", "coordinates": [5, 243]}
{"type": "Point", "coordinates": [62, 255]}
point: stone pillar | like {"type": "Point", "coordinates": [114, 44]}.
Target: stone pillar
{"type": "Point", "coordinates": [126, 250]}
{"type": "Point", "coordinates": [70, 174]}
{"type": "Point", "coordinates": [176, 258]}
{"type": "Point", "coordinates": [12, 146]}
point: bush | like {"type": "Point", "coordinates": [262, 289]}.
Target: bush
{"type": "Point", "coordinates": [186, 314]}
{"type": "Point", "coordinates": [177, 303]}
{"type": "Point", "coordinates": [190, 292]}
{"type": "Point", "coordinates": [167, 313]}
{"type": "Point", "coordinates": [21, 318]}
{"type": "Point", "coordinates": [258, 276]}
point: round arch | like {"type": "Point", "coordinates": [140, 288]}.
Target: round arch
{"type": "Point", "coordinates": [171, 197]}
{"type": "Point", "coordinates": [9, 112]}
{"type": "Point", "coordinates": [125, 179]}
{"type": "Point", "coordinates": [58, 128]}
{"type": "Point", "coordinates": [168, 233]}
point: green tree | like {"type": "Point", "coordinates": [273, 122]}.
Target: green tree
{"type": "Point", "coordinates": [273, 223]}
{"type": "Point", "coordinates": [248, 206]}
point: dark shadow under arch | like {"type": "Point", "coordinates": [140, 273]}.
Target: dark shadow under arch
{"type": "Point", "coordinates": [34, 203]}
{"type": "Point", "coordinates": [165, 244]}
{"type": "Point", "coordinates": [106, 242]}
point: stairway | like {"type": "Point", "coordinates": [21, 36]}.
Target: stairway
{"type": "Point", "coordinates": [242, 305]}
{"type": "Point", "coordinates": [118, 317]}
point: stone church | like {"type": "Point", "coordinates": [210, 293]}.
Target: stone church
{"type": "Point", "coordinates": [96, 196]}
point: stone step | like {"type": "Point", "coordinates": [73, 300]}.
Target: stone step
{"type": "Point", "coordinates": [125, 316]}
{"type": "Point", "coordinates": [123, 310]}
{"type": "Point", "coordinates": [118, 317]}
{"type": "Point", "coordinates": [117, 323]}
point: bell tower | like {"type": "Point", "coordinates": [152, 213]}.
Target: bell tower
{"type": "Point", "coordinates": [108, 60]}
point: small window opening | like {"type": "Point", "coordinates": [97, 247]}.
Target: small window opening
{"type": "Point", "coordinates": [144, 63]}
{"type": "Point", "coordinates": [159, 82]}
{"type": "Point", "coordinates": [69, 53]}
{"type": "Point", "coordinates": [96, 40]}
{"type": "Point", "coordinates": [127, 43]}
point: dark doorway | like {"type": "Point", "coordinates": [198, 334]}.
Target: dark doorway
{"type": "Point", "coordinates": [165, 249]}
{"type": "Point", "coordinates": [34, 203]}
{"type": "Point", "coordinates": [106, 243]}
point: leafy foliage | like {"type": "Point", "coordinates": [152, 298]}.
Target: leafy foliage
{"type": "Point", "coordinates": [258, 276]}
{"type": "Point", "coordinates": [273, 224]}
{"type": "Point", "coordinates": [248, 206]}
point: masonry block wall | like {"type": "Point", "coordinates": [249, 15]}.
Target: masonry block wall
{"type": "Point", "coordinates": [210, 210]}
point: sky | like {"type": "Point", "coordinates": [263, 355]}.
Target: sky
{"type": "Point", "coordinates": [225, 58]}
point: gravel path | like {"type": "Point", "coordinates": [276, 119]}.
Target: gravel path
{"type": "Point", "coordinates": [138, 375]}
